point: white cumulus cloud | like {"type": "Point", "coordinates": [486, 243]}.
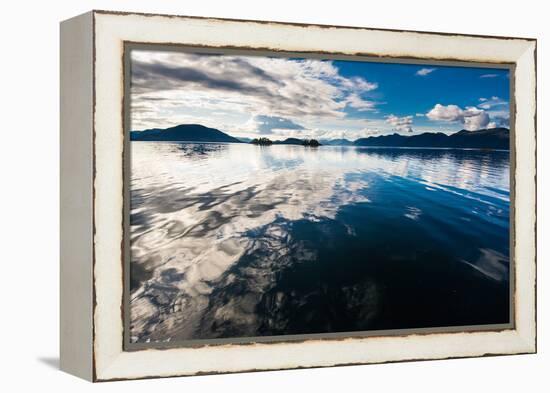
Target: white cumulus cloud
{"type": "Point", "coordinates": [445, 113]}
{"type": "Point", "coordinates": [355, 101]}
{"type": "Point", "coordinates": [471, 117]}
{"type": "Point", "coordinates": [400, 123]}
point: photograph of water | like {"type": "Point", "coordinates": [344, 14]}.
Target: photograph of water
{"type": "Point", "coordinates": [277, 196]}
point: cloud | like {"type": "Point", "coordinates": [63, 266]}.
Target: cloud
{"type": "Point", "coordinates": [167, 84]}
{"type": "Point", "coordinates": [476, 119]}
{"type": "Point", "coordinates": [250, 95]}
{"type": "Point", "coordinates": [488, 103]}
{"type": "Point", "coordinates": [166, 77]}
{"type": "Point", "coordinates": [400, 123]}
{"type": "Point", "coordinates": [498, 109]}
{"type": "Point", "coordinates": [268, 124]}
{"type": "Point", "coordinates": [445, 113]}
{"type": "Point", "coordinates": [500, 121]}
{"type": "Point", "coordinates": [356, 83]}
{"type": "Point", "coordinates": [355, 101]}
{"type": "Point", "coordinates": [471, 118]}
{"type": "Point", "coordinates": [425, 71]}
{"type": "Point", "coordinates": [489, 76]}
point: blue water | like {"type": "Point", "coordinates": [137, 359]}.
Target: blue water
{"type": "Point", "coordinates": [236, 240]}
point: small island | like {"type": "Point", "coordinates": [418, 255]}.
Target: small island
{"type": "Point", "coordinates": [261, 141]}
{"type": "Point", "coordinates": [311, 142]}
{"type": "Point", "coordinates": [289, 141]}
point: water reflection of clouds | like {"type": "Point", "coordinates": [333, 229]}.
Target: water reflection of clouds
{"type": "Point", "coordinates": [194, 208]}
{"type": "Point", "coordinates": [196, 228]}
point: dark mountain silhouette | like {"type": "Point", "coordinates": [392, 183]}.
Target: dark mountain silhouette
{"type": "Point", "coordinates": [289, 141]}
{"type": "Point", "coordinates": [336, 142]}
{"type": "Point", "coordinates": [183, 132]}
{"type": "Point", "coordinates": [494, 138]}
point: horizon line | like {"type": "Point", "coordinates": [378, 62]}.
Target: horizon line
{"type": "Point", "coordinates": [325, 139]}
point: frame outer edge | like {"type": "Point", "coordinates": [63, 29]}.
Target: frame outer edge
{"type": "Point", "coordinates": [76, 196]}
{"type": "Point", "coordinates": [524, 338]}
{"type": "Point", "coordinates": [526, 242]}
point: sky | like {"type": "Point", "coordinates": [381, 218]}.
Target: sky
{"type": "Point", "coordinates": [274, 97]}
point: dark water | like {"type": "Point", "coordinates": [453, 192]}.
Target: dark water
{"type": "Point", "coordinates": [236, 240]}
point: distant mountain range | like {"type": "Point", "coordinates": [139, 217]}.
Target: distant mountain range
{"type": "Point", "coordinates": [494, 138]}
{"type": "Point", "coordinates": [336, 142]}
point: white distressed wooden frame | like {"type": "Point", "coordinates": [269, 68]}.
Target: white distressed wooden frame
{"type": "Point", "coordinates": [92, 195]}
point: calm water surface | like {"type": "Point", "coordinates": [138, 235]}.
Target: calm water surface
{"type": "Point", "coordinates": [236, 240]}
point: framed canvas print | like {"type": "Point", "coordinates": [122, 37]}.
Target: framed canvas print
{"type": "Point", "coordinates": [245, 195]}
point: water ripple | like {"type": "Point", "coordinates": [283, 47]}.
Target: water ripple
{"type": "Point", "coordinates": [236, 240]}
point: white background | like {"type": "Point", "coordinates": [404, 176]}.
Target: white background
{"type": "Point", "coordinates": [29, 197]}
